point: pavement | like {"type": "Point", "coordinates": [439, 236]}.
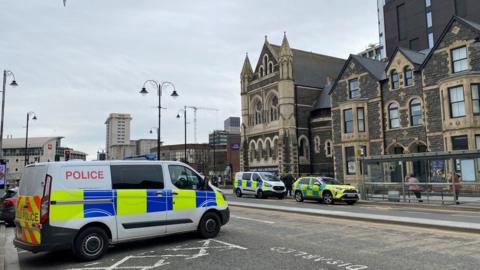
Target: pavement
{"type": "Point", "coordinates": [261, 239]}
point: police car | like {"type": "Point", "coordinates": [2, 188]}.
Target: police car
{"type": "Point", "coordinates": [260, 184]}
{"type": "Point", "coordinates": [88, 205]}
{"type": "Point", "coordinates": [324, 189]}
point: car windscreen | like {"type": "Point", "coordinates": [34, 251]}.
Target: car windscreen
{"type": "Point", "coordinates": [32, 181]}
{"type": "Point", "coordinates": [270, 177]}
{"type": "Point", "coordinates": [330, 181]}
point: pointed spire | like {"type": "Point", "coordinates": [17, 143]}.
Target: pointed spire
{"type": "Point", "coordinates": [247, 67]}
{"type": "Point", "coordinates": [285, 49]}
{"type": "Point", "coordinates": [266, 39]}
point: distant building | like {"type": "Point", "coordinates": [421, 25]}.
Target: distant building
{"type": "Point", "coordinates": [381, 28]}
{"type": "Point", "coordinates": [374, 51]}
{"type": "Point", "coordinates": [118, 133]}
{"type": "Point", "coordinates": [40, 149]}
{"type": "Point", "coordinates": [197, 154]}
{"type": "Point", "coordinates": [417, 24]}
{"type": "Point", "coordinates": [144, 146]}
{"type": "Point", "coordinates": [225, 154]}
{"type": "Point", "coordinates": [232, 124]}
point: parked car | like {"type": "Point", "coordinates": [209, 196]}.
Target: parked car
{"type": "Point", "coordinates": [7, 206]}
{"type": "Point", "coordinates": [324, 189]}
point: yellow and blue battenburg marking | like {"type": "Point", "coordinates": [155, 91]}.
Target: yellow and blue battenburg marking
{"type": "Point", "coordinates": [75, 204]}
{"type": "Point", "coordinates": [248, 183]}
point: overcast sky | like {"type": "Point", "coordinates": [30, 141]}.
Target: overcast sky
{"type": "Point", "coordinates": [76, 64]}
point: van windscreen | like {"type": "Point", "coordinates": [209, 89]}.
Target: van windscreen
{"type": "Point", "coordinates": [32, 181]}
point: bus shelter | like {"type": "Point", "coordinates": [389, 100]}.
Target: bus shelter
{"type": "Point", "coordinates": [440, 177]}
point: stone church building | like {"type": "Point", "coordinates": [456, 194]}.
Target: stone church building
{"type": "Point", "coordinates": [286, 121]}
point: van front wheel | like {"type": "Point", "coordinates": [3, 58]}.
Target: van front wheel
{"type": "Point", "coordinates": [209, 225]}
{"type": "Point", "coordinates": [90, 244]}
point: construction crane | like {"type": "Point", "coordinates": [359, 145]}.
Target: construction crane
{"type": "Point", "coordinates": [195, 109]}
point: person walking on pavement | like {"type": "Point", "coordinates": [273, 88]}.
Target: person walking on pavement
{"type": "Point", "coordinates": [288, 184]}
{"type": "Point", "coordinates": [457, 178]}
{"type": "Point", "coordinates": [413, 186]}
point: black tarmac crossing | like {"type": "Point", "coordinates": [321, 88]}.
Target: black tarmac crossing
{"type": "Point", "coordinates": [258, 239]}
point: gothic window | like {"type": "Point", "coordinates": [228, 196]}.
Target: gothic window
{"type": "Point", "coordinates": [303, 150]}
{"type": "Point", "coordinates": [265, 64]}
{"type": "Point", "coordinates": [416, 112]}
{"type": "Point", "coordinates": [270, 67]}
{"type": "Point", "coordinates": [393, 115]}
{"type": "Point", "coordinates": [274, 109]}
{"type": "Point", "coordinates": [328, 148]}
{"type": "Point", "coordinates": [316, 142]}
{"type": "Point", "coordinates": [258, 112]}
{"type": "Point", "coordinates": [252, 151]}
{"type": "Point", "coordinates": [260, 72]}
{"type": "Point", "coordinates": [275, 150]}
{"type": "Point", "coordinates": [260, 151]}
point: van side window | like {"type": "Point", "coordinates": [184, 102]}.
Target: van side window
{"type": "Point", "coordinates": [246, 176]}
{"type": "Point", "coordinates": [137, 177]}
{"type": "Point", "coordinates": [184, 178]}
{"type": "Point", "coordinates": [256, 177]}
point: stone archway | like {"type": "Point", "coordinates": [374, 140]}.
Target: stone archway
{"type": "Point", "coordinates": [418, 167]}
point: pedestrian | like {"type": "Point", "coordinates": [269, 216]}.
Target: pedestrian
{"type": "Point", "coordinates": [215, 181]}
{"type": "Point", "coordinates": [288, 184]}
{"type": "Point", "coordinates": [457, 178]}
{"type": "Point", "coordinates": [413, 186]}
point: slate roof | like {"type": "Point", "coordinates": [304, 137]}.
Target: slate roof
{"type": "Point", "coordinates": [415, 57]}
{"type": "Point", "coordinates": [375, 67]}
{"type": "Point", "coordinates": [312, 69]}
{"type": "Point", "coordinates": [323, 101]}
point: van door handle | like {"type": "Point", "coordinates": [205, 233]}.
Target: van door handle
{"type": "Point", "coordinates": [174, 193]}
{"type": "Point", "coordinates": [159, 194]}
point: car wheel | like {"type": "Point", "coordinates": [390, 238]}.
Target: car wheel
{"type": "Point", "coordinates": [298, 196]}
{"type": "Point", "coordinates": [238, 192]}
{"type": "Point", "coordinates": [351, 202]}
{"type": "Point", "coordinates": [91, 244]}
{"type": "Point", "coordinates": [260, 194]}
{"type": "Point", "coordinates": [327, 197]}
{"type": "Point", "coordinates": [209, 225]}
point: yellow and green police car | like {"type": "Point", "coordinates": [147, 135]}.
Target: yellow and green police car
{"type": "Point", "coordinates": [324, 189]}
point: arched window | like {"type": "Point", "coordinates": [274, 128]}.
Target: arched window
{"type": "Point", "coordinates": [416, 112]}
{"type": "Point", "coordinates": [270, 67]}
{"type": "Point", "coordinates": [393, 115]}
{"type": "Point", "coordinates": [408, 74]}
{"type": "Point", "coordinates": [316, 142]}
{"type": "Point", "coordinates": [303, 150]}
{"type": "Point", "coordinates": [274, 109]}
{"type": "Point", "coordinates": [261, 72]}
{"type": "Point", "coordinates": [252, 151]}
{"type": "Point", "coordinates": [328, 148]}
{"type": "Point", "coordinates": [260, 151]}
{"type": "Point", "coordinates": [268, 147]}
{"type": "Point", "coordinates": [265, 63]}
{"type": "Point", "coordinates": [258, 112]}
{"type": "Point", "coordinates": [394, 80]}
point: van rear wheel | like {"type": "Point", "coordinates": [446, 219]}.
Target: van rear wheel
{"type": "Point", "coordinates": [209, 225]}
{"type": "Point", "coordinates": [90, 244]}
{"type": "Point", "coordinates": [238, 192]}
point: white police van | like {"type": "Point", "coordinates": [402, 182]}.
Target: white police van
{"type": "Point", "coordinates": [260, 184]}
{"type": "Point", "coordinates": [88, 205]}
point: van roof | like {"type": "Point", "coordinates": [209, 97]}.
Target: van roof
{"type": "Point", "coordinates": [106, 162]}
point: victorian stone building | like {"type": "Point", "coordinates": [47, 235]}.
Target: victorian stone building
{"type": "Point", "coordinates": [286, 121]}
{"type": "Point", "coordinates": [417, 102]}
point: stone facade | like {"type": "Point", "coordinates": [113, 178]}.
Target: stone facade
{"type": "Point", "coordinates": [282, 116]}
{"type": "Point", "coordinates": [408, 104]}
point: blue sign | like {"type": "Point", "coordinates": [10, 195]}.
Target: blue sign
{"type": "Point", "coordinates": [235, 146]}
{"type": "Point", "coordinates": [3, 169]}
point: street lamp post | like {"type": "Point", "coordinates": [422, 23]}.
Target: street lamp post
{"type": "Point", "coordinates": [185, 132]}
{"type": "Point", "coordinates": [159, 86]}
{"type": "Point", "coordinates": [6, 73]}
{"type": "Point", "coordinates": [26, 135]}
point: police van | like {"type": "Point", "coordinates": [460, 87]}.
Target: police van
{"type": "Point", "coordinates": [260, 184]}
{"type": "Point", "coordinates": [88, 205]}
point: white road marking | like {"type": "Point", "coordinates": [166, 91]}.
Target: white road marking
{"type": "Point", "coordinates": [252, 219]}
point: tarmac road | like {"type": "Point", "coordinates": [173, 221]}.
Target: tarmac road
{"type": "Point", "coordinates": [259, 239]}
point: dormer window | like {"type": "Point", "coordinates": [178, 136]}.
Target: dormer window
{"type": "Point", "coordinates": [394, 80]}
{"type": "Point", "coordinates": [459, 59]}
{"type": "Point", "coordinates": [408, 74]}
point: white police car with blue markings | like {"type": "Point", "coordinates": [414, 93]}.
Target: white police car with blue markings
{"type": "Point", "coordinates": [260, 184]}
{"type": "Point", "coordinates": [86, 206]}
